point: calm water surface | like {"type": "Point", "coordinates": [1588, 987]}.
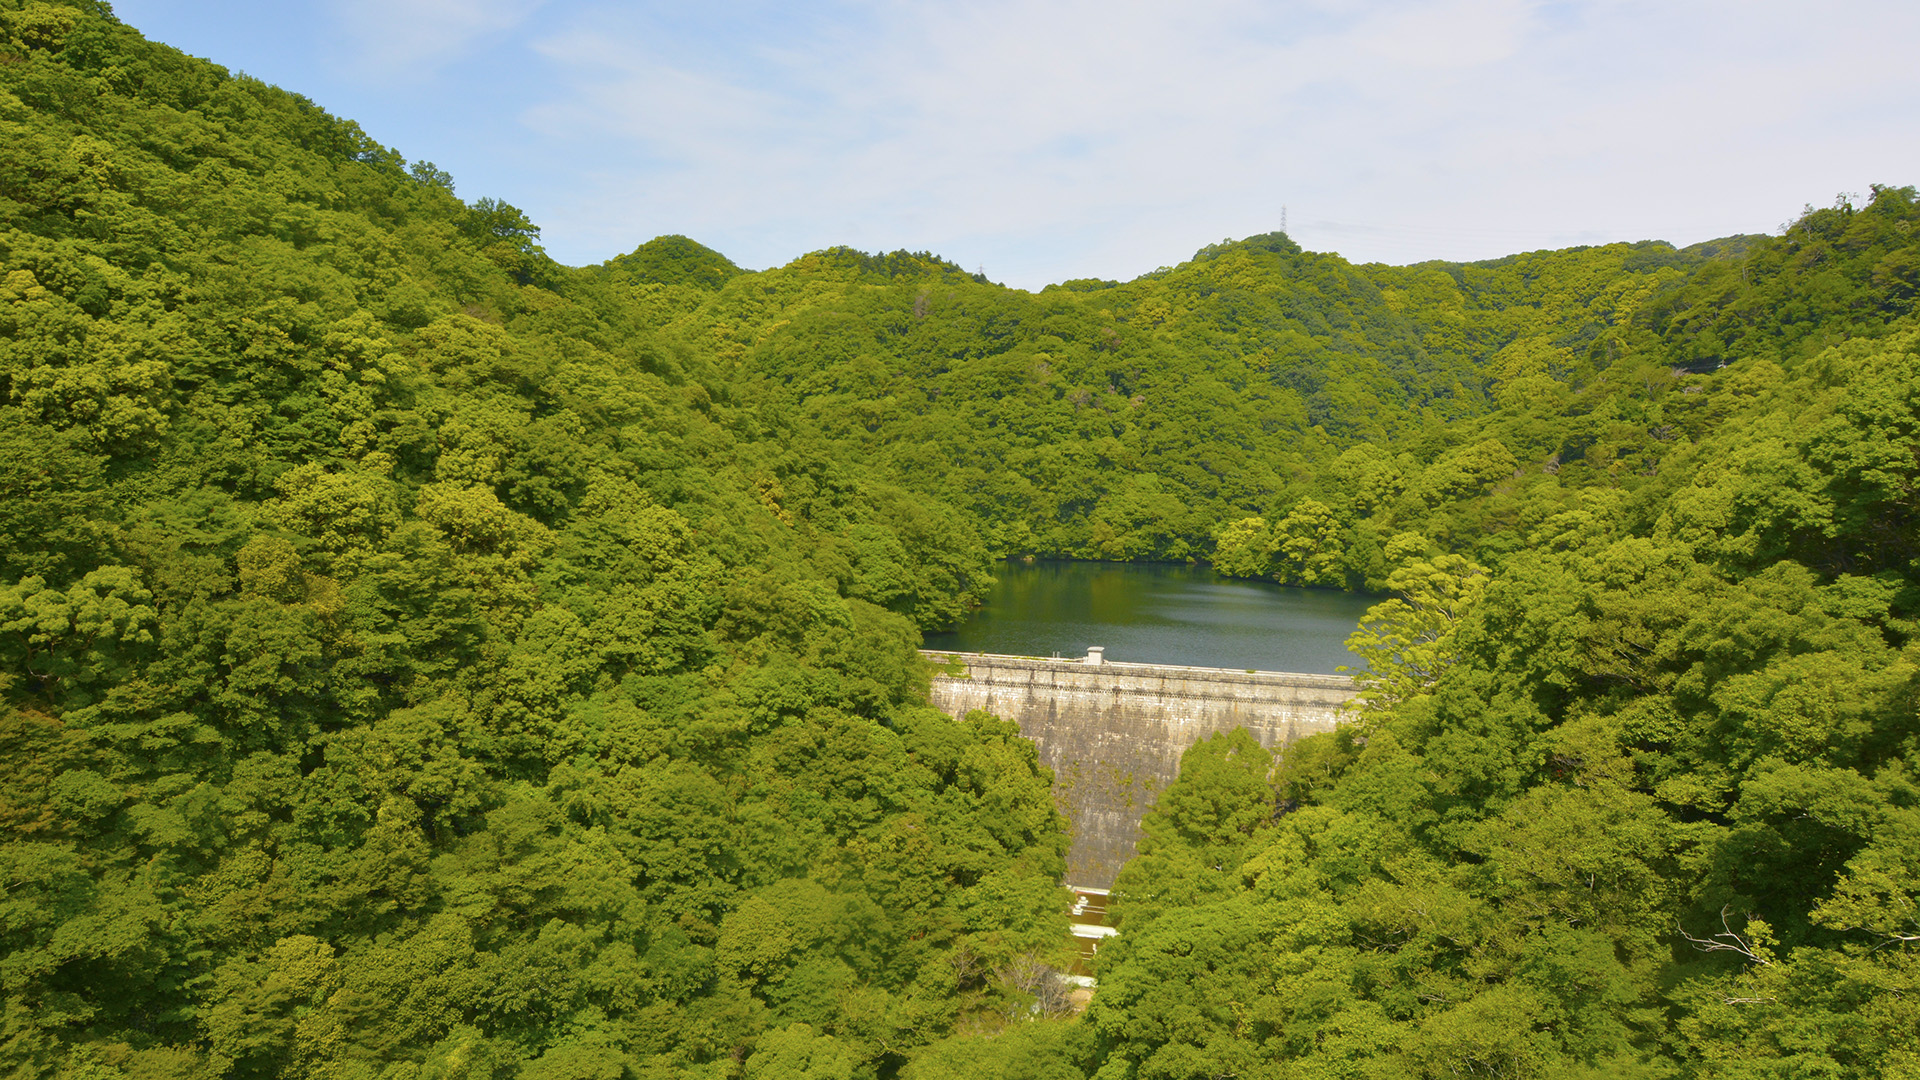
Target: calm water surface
{"type": "Point", "coordinates": [1160, 613]}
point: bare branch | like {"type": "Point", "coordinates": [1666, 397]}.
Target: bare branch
{"type": "Point", "coordinates": [1726, 941]}
{"type": "Point", "coordinates": [1895, 939]}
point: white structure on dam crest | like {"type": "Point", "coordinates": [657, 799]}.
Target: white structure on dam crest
{"type": "Point", "coordinates": [1113, 732]}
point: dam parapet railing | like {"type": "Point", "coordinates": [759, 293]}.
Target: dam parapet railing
{"type": "Point", "coordinates": [1122, 668]}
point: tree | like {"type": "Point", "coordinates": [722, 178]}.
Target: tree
{"type": "Point", "coordinates": [1408, 641]}
{"type": "Point", "coordinates": [1244, 548]}
{"type": "Point", "coordinates": [1307, 549]}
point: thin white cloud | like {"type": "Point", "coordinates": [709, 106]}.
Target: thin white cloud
{"type": "Point", "coordinates": [1462, 34]}
{"type": "Point", "coordinates": [398, 41]}
{"type": "Point", "coordinates": [1070, 138]}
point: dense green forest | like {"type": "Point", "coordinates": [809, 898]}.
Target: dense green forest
{"type": "Point", "coordinates": [421, 659]}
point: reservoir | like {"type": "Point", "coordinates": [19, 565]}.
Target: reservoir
{"type": "Point", "coordinates": [1160, 613]}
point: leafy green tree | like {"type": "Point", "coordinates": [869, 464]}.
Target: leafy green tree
{"type": "Point", "coordinates": [1244, 548]}
{"type": "Point", "coordinates": [64, 639]}
{"type": "Point", "coordinates": [1307, 547]}
{"type": "Point", "coordinates": [1409, 641]}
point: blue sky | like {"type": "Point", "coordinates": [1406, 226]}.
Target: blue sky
{"type": "Point", "coordinates": [1053, 139]}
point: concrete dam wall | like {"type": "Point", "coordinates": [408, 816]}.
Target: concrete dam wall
{"type": "Point", "coordinates": [1113, 733]}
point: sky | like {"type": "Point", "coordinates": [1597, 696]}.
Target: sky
{"type": "Point", "coordinates": [1044, 140]}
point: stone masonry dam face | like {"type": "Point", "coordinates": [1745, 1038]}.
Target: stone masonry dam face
{"type": "Point", "coordinates": [1113, 733]}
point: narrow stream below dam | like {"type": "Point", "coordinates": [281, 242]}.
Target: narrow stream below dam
{"type": "Point", "coordinates": [1160, 613]}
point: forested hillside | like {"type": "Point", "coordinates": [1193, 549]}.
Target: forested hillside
{"type": "Point", "coordinates": [421, 659]}
{"type": "Point", "coordinates": [1645, 805]}
{"type": "Point", "coordinates": [1281, 412]}
{"type": "Point", "coordinates": [413, 667]}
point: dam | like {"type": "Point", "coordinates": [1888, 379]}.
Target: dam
{"type": "Point", "coordinates": [1113, 733]}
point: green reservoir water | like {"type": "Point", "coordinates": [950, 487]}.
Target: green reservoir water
{"type": "Point", "coordinates": [1160, 613]}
